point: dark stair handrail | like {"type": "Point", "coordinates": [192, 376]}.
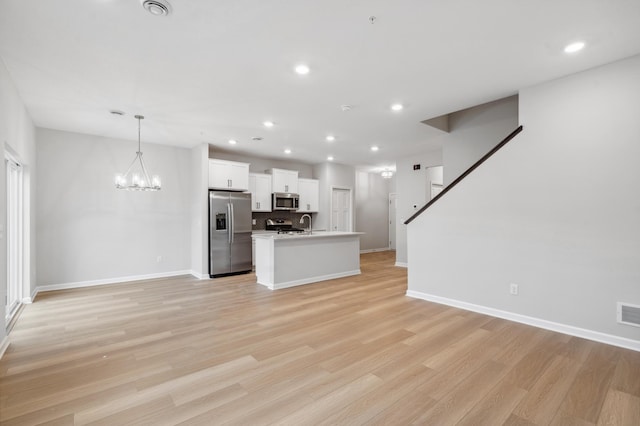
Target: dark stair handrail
{"type": "Point", "coordinates": [466, 173]}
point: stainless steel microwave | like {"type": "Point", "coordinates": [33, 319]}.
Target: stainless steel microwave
{"type": "Point", "coordinates": [285, 201]}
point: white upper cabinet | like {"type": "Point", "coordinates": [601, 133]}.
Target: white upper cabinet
{"type": "Point", "coordinates": [309, 190]}
{"type": "Point", "coordinates": [228, 175]}
{"type": "Point", "coordinates": [260, 188]}
{"type": "Point", "coordinates": [284, 180]}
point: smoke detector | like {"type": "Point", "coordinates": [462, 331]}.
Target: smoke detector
{"type": "Point", "coordinates": [157, 7]}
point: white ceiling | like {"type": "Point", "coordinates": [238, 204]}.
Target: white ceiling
{"type": "Point", "coordinates": [216, 69]}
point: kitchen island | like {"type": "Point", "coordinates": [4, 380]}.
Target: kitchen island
{"type": "Point", "coordinates": [287, 260]}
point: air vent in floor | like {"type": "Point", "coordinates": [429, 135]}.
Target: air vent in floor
{"type": "Point", "coordinates": [628, 314]}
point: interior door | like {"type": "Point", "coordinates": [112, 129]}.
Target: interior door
{"type": "Point", "coordinates": [241, 231]}
{"type": "Point", "coordinates": [435, 178]}
{"type": "Point", "coordinates": [219, 233]}
{"type": "Point", "coordinates": [341, 210]}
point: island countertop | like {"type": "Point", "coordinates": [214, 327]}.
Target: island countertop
{"type": "Point", "coordinates": [304, 235]}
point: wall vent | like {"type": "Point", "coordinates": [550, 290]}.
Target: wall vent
{"type": "Point", "coordinates": [629, 314]}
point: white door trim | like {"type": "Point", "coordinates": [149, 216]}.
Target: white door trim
{"type": "Point", "coordinates": [14, 235]}
{"type": "Point", "coordinates": [393, 197]}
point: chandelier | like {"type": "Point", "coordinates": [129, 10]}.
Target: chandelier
{"type": "Point", "coordinates": [136, 177]}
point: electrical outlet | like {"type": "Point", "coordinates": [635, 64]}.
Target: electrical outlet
{"type": "Point", "coordinates": [159, 259]}
{"type": "Point", "coordinates": [253, 221]}
{"type": "Point", "coordinates": [513, 289]}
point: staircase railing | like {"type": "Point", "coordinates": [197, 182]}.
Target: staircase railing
{"type": "Point", "coordinates": [466, 173]}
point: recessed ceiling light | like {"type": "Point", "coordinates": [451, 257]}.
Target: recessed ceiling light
{"type": "Point", "coordinates": [374, 148]}
{"type": "Point", "coordinates": [287, 151]}
{"type": "Point", "coordinates": [233, 141]}
{"type": "Point", "coordinates": [397, 107]}
{"type": "Point", "coordinates": [574, 47]}
{"type": "Point", "coordinates": [156, 7]}
{"type": "Point", "coordinates": [302, 69]}
{"type": "Point", "coordinates": [346, 107]}
{"type": "Point", "coordinates": [268, 123]}
{"type": "Point", "coordinates": [331, 138]}
{"type": "Point", "coordinates": [330, 158]}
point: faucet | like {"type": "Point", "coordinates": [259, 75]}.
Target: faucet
{"type": "Point", "coordinates": [302, 221]}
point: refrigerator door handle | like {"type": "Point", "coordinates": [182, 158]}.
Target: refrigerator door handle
{"type": "Point", "coordinates": [233, 225]}
{"type": "Point", "coordinates": [229, 222]}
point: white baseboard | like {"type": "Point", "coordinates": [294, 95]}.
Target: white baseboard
{"type": "Point", "coordinates": [199, 275]}
{"type": "Point", "coordinates": [80, 284]}
{"type": "Point", "coordinates": [310, 280]}
{"type": "Point", "coordinates": [374, 250]}
{"type": "Point", "coordinates": [402, 264]}
{"type": "Point", "coordinates": [4, 346]}
{"type": "Point", "coordinates": [30, 299]}
{"type": "Point", "coordinates": [596, 336]}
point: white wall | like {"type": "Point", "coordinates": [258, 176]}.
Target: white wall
{"type": "Point", "coordinates": [392, 184]}
{"type": "Point", "coordinates": [411, 190]}
{"type": "Point", "coordinates": [199, 195]}
{"type": "Point", "coordinates": [474, 132]}
{"type": "Point", "coordinates": [17, 135]}
{"type": "Point", "coordinates": [556, 211]}
{"type": "Point", "coordinates": [88, 230]}
{"type": "Point", "coordinates": [372, 210]}
{"type": "Point", "coordinates": [321, 172]}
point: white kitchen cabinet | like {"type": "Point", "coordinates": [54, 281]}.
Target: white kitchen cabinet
{"type": "Point", "coordinates": [284, 180]}
{"type": "Point", "coordinates": [309, 191]}
{"type": "Point", "coordinates": [260, 188]}
{"type": "Point", "coordinates": [229, 175]}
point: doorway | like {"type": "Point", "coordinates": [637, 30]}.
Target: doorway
{"type": "Point", "coordinates": [15, 235]}
{"type": "Point", "coordinates": [341, 217]}
{"type": "Point", "coordinates": [392, 220]}
{"type": "Point", "coordinates": [435, 178]}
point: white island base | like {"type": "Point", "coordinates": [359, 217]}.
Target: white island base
{"type": "Point", "coordinates": [289, 260]}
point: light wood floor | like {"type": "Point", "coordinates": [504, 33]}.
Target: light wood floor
{"type": "Point", "coordinates": [348, 351]}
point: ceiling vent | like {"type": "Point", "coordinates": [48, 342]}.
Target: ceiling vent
{"type": "Point", "coordinates": [628, 314]}
{"type": "Point", "coordinates": [157, 7]}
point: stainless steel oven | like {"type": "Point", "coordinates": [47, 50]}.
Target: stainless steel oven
{"type": "Point", "coordinates": [285, 201]}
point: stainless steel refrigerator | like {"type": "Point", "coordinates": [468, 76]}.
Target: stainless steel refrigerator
{"type": "Point", "coordinates": [229, 233]}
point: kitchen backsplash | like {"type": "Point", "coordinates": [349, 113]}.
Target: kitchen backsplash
{"type": "Point", "coordinates": [261, 219]}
